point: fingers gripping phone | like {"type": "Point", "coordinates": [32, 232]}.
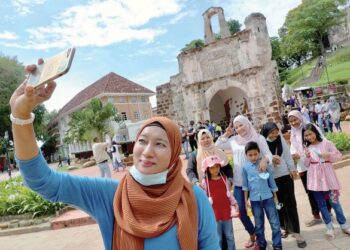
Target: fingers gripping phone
{"type": "Point", "coordinates": [52, 68]}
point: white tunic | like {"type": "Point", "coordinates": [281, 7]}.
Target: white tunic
{"type": "Point", "coordinates": [239, 157]}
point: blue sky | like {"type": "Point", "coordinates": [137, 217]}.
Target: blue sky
{"type": "Point", "coordinates": [137, 39]}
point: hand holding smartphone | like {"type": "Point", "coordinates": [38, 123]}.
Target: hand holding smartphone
{"type": "Point", "coordinates": [52, 68]}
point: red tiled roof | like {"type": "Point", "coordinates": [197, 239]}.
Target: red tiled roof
{"type": "Point", "coordinates": [110, 83]}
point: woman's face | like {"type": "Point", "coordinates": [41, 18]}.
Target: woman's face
{"type": "Point", "coordinates": [240, 128]}
{"type": "Point", "coordinates": [294, 121]}
{"type": "Point", "coordinates": [205, 140]}
{"type": "Point", "coordinates": [310, 136]}
{"type": "Point", "coordinates": [152, 151]}
{"type": "Point", "coordinates": [273, 135]}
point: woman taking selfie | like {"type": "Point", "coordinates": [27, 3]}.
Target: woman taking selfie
{"type": "Point", "coordinates": [152, 207]}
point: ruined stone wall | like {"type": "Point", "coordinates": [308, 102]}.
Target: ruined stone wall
{"type": "Point", "coordinates": [242, 61]}
{"type": "Point", "coordinates": [340, 35]}
{"type": "Point", "coordinates": [164, 99]}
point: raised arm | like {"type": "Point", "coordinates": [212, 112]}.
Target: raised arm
{"type": "Point", "coordinates": [223, 141]}
{"type": "Point", "coordinates": [85, 193]}
{"type": "Point", "coordinates": [22, 102]}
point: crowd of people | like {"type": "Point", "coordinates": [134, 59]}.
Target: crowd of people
{"type": "Point", "coordinates": [265, 167]}
{"type": "Point", "coordinates": [323, 112]}
{"type": "Point", "coordinates": [154, 207]}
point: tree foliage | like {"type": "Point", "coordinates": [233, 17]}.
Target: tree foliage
{"type": "Point", "coordinates": [11, 74]}
{"type": "Point", "coordinates": [282, 62]}
{"type": "Point", "coordinates": [234, 26]}
{"type": "Point", "coordinates": [196, 43]}
{"type": "Point", "coordinates": [92, 121]}
{"type": "Point", "coordinates": [306, 27]}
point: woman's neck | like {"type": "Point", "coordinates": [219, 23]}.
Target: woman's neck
{"type": "Point", "coordinates": [315, 142]}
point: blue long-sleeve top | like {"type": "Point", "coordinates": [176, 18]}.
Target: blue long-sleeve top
{"type": "Point", "coordinates": [259, 189]}
{"type": "Point", "coordinates": [95, 196]}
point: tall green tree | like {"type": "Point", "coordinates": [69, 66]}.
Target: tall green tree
{"type": "Point", "coordinates": [307, 25]}
{"type": "Point", "coordinates": [283, 63]}
{"type": "Point", "coordinates": [92, 121]}
{"type": "Point", "coordinates": [11, 74]}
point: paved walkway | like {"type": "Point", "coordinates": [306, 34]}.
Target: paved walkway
{"type": "Point", "coordinates": [89, 237]}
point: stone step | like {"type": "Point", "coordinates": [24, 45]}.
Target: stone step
{"type": "Point", "coordinates": [342, 163]}
{"type": "Point", "coordinates": [25, 230]}
{"type": "Point", "coordinates": [72, 218]}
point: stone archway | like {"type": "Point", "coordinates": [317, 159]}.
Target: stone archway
{"type": "Point", "coordinates": [227, 103]}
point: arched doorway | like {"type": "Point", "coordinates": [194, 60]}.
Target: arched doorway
{"type": "Point", "coordinates": [226, 104]}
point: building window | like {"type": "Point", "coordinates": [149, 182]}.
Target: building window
{"type": "Point", "coordinates": [122, 99]}
{"type": "Point", "coordinates": [111, 99]}
{"type": "Point", "coordinates": [137, 115]}
{"type": "Point", "coordinates": [124, 116]}
{"type": "Point", "coordinates": [144, 99]}
{"type": "Point", "coordinates": [134, 99]}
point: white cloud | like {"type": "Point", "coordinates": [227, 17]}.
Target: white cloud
{"type": "Point", "coordinates": [161, 50]}
{"type": "Point", "coordinates": [23, 7]}
{"type": "Point", "coordinates": [6, 35]}
{"type": "Point", "coordinates": [182, 15]}
{"type": "Point", "coordinates": [101, 24]}
{"type": "Point", "coordinates": [275, 11]}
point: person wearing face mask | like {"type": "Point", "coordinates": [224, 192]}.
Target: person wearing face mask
{"type": "Point", "coordinates": [151, 207]}
{"type": "Point", "coordinates": [206, 148]}
{"type": "Point", "coordinates": [236, 143]}
{"type": "Point", "coordinates": [284, 172]}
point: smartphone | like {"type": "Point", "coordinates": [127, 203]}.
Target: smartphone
{"type": "Point", "coordinates": [52, 68]}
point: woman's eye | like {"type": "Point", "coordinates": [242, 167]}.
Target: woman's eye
{"type": "Point", "coordinates": [161, 145]}
{"type": "Point", "coordinates": [142, 141]}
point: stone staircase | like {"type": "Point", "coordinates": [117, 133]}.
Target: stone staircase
{"type": "Point", "coordinates": [315, 73]}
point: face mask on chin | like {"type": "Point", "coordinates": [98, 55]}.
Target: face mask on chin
{"type": "Point", "coordinates": [270, 140]}
{"type": "Point", "coordinates": [149, 179]}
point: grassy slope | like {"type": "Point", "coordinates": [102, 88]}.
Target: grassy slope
{"type": "Point", "coordinates": [338, 67]}
{"type": "Point", "coordinates": [296, 75]}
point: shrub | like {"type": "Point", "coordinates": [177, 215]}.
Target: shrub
{"type": "Point", "coordinates": [341, 82]}
{"type": "Point", "coordinates": [340, 140]}
{"type": "Point", "coordinates": [17, 199]}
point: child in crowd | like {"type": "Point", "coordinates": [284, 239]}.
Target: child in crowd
{"type": "Point", "coordinates": [297, 123]}
{"type": "Point", "coordinates": [262, 194]}
{"type": "Point", "coordinates": [284, 172]}
{"type": "Point", "coordinates": [224, 205]}
{"type": "Point", "coordinates": [322, 180]}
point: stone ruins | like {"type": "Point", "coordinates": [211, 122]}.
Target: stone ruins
{"type": "Point", "coordinates": [230, 76]}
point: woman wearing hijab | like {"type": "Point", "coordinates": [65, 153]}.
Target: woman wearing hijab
{"type": "Point", "coordinates": [297, 123]}
{"type": "Point", "coordinates": [206, 148]}
{"type": "Point", "coordinates": [334, 113]}
{"type": "Point", "coordinates": [245, 133]}
{"type": "Point", "coordinates": [284, 171]}
{"type": "Point", "coordinates": [152, 207]}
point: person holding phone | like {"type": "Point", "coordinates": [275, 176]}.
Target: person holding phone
{"type": "Point", "coordinates": [152, 207]}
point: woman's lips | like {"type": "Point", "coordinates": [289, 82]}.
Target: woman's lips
{"type": "Point", "coordinates": [147, 163]}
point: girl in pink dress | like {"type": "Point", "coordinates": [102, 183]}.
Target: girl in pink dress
{"type": "Point", "coordinates": [322, 179]}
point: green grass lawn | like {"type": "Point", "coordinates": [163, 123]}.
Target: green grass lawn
{"type": "Point", "coordinates": [335, 72]}
{"type": "Point", "coordinates": [298, 74]}
{"type": "Point", "coordinates": [338, 67]}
